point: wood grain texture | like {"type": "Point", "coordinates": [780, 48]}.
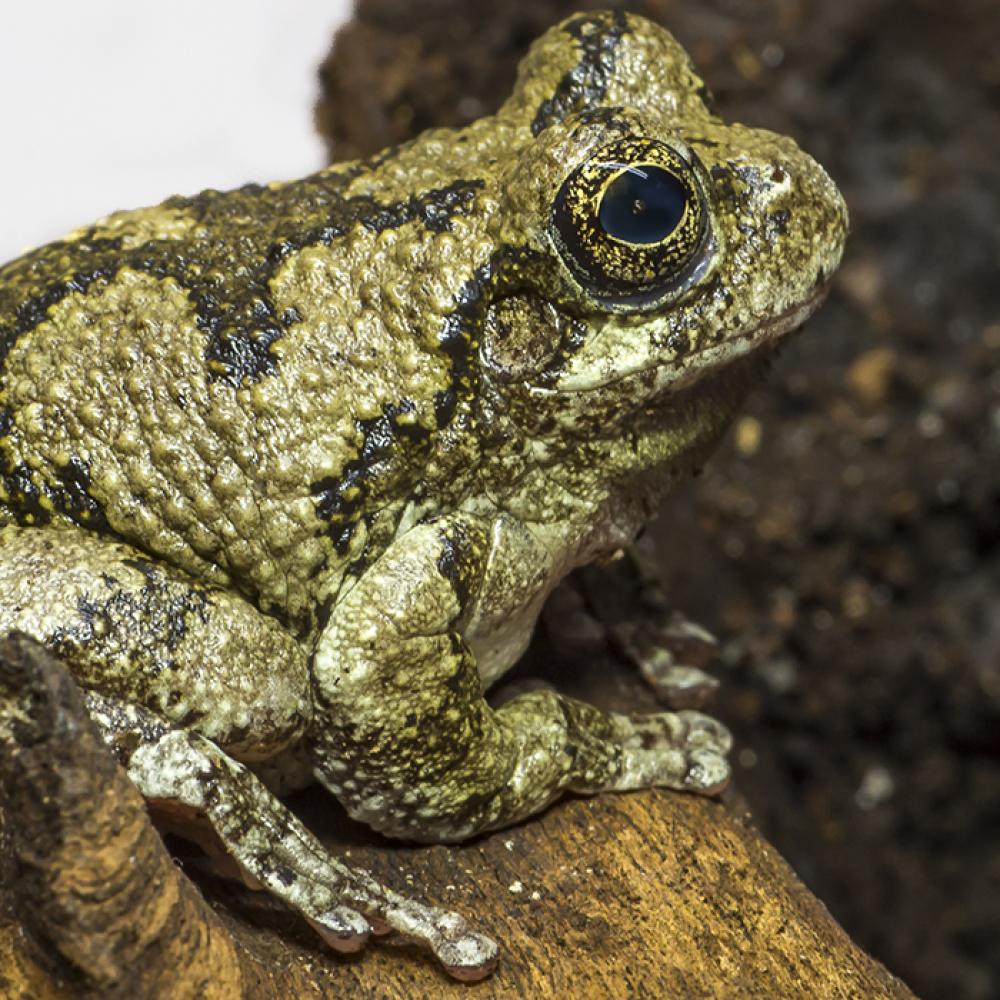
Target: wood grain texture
{"type": "Point", "coordinates": [644, 895]}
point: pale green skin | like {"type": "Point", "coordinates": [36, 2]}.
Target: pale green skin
{"type": "Point", "coordinates": [187, 528]}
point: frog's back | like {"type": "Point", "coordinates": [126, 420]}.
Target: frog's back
{"type": "Point", "coordinates": [246, 384]}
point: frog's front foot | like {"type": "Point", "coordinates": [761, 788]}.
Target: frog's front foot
{"type": "Point", "coordinates": [683, 750]}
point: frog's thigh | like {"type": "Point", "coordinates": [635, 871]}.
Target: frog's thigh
{"type": "Point", "coordinates": [403, 735]}
{"type": "Point", "coordinates": [184, 768]}
{"type": "Point", "coordinates": [141, 631]}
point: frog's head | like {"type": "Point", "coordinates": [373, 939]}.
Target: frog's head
{"type": "Point", "coordinates": [645, 245]}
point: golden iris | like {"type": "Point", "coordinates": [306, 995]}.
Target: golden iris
{"type": "Point", "coordinates": [630, 222]}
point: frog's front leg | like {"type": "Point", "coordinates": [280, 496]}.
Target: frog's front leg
{"type": "Point", "coordinates": [402, 733]}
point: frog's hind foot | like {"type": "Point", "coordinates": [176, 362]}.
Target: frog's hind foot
{"type": "Point", "coordinates": [345, 905]}
{"type": "Point", "coordinates": [46, 747]}
{"type": "Point", "coordinates": [622, 605]}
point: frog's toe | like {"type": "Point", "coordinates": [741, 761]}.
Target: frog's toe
{"type": "Point", "coordinates": [682, 730]}
{"type": "Point", "coordinates": [682, 750]}
{"type": "Point", "coordinates": [707, 773]}
{"type": "Point", "coordinates": [704, 731]}
{"type": "Point", "coordinates": [466, 955]}
{"type": "Point", "coordinates": [342, 928]}
{"type": "Point", "coordinates": [680, 686]}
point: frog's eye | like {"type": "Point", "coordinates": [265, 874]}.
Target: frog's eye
{"type": "Point", "coordinates": [630, 223]}
{"type": "Point", "coordinates": [643, 204]}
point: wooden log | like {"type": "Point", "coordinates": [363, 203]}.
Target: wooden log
{"type": "Point", "coordinates": [649, 894]}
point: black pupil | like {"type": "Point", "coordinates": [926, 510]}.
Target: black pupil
{"type": "Point", "coordinates": [643, 205]}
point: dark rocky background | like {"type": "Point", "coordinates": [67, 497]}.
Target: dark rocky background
{"type": "Point", "coordinates": [844, 543]}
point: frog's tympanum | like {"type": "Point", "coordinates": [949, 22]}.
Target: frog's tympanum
{"type": "Point", "coordinates": [287, 472]}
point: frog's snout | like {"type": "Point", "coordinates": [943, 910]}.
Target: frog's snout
{"type": "Point", "coordinates": [804, 222]}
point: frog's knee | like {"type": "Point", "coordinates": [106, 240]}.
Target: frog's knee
{"type": "Point", "coordinates": [145, 633]}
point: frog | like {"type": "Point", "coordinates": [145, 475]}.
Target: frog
{"type": "Point", "coordinates": [288, 472]}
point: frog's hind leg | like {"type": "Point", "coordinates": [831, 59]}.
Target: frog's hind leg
{"type": "Point", "coordinates": [142, 631]}
{"type": "Point", "coordinates": [185, 682]}
{"type": "Point", "coordinates": [343, 904]}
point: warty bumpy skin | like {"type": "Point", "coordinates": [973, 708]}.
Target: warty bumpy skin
{"type": "Point", "coordinates": [288, 471]}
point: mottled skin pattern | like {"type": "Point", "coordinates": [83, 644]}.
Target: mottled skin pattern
{"type": "Point", "coordinates": [294, 467]}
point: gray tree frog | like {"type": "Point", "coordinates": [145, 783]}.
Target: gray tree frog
{"type": "Point", "coordinates": [294, 467]}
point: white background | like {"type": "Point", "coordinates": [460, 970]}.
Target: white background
{"type": "Point", "coordinates": [108, 104]}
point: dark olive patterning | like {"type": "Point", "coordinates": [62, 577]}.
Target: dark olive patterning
{"type": "Point", "coordinates": [259, 225]}
{"type": "Point", "coordinates": [294, 467]}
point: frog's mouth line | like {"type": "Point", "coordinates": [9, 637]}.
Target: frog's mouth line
{"type": "Point", "coordinates": [740, 344]}
{"type": "Point", "coordinates": [676, 373]}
